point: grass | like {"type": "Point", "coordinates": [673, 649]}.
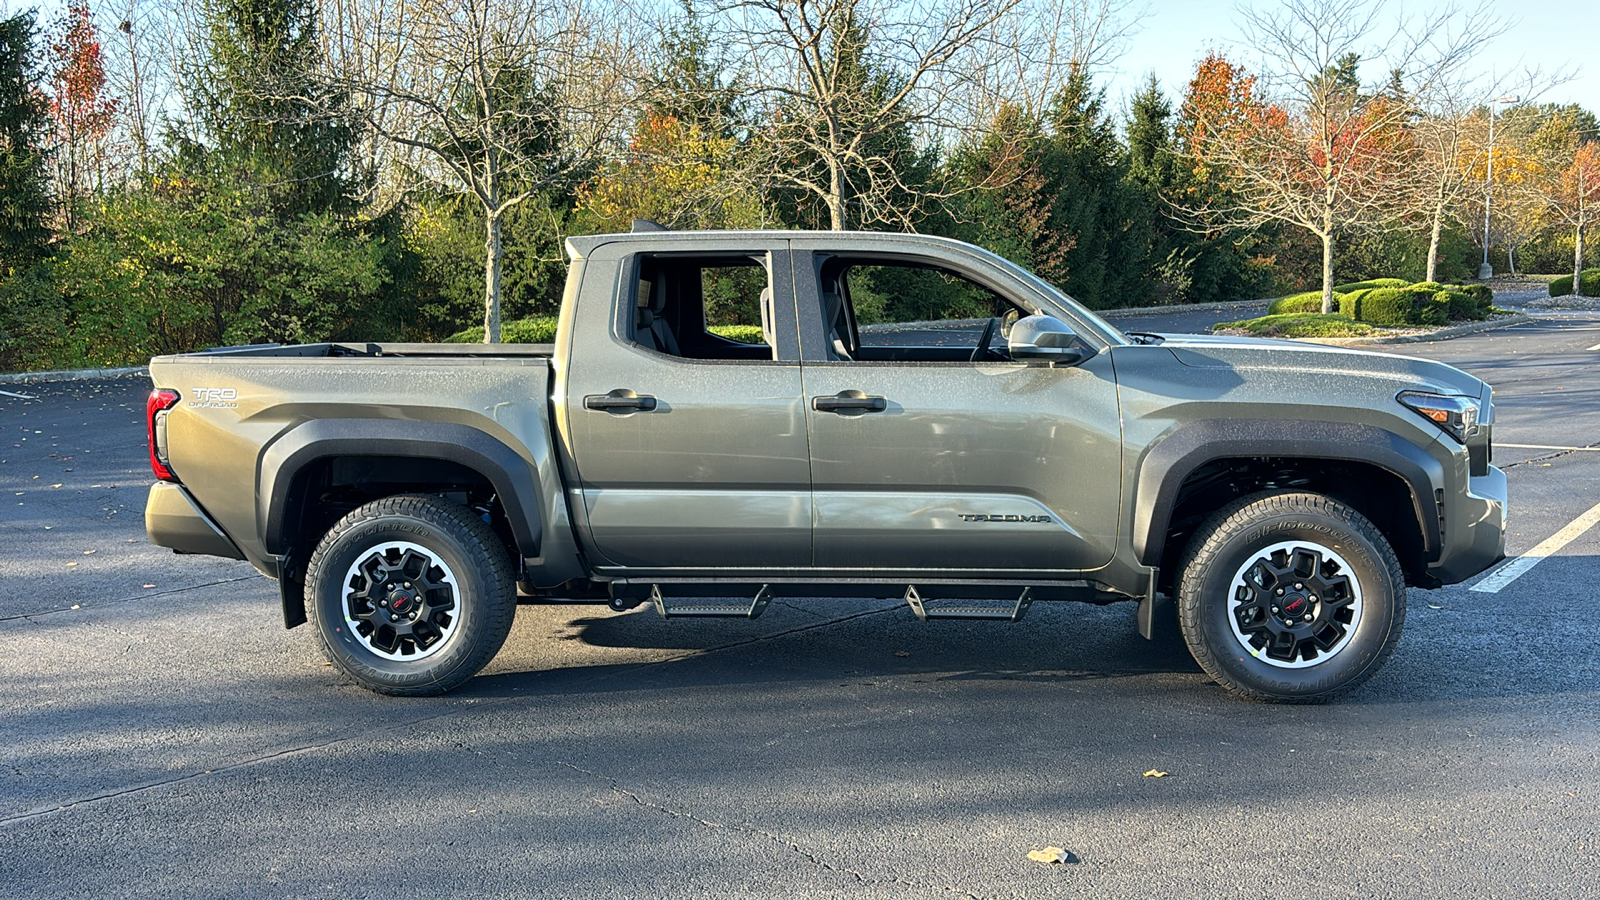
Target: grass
{"type": "Point", "coordinates": [1299, 325]}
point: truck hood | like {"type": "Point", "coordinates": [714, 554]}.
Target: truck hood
{"type": "Point", "coordinates": [1300, 357]}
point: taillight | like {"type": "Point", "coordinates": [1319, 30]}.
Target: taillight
{"type": "Point", "coordinates": [155, 420]}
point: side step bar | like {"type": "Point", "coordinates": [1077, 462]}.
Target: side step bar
{"type": "Point", "coordinates": [751, 610]}
{"type": "Point", "coordinates": [1013, 613]}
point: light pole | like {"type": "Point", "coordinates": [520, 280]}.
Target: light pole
{"type": "Point", "coordinates": [1486, 270]}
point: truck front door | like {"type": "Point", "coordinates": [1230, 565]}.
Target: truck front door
{"type": "Point", "coordinates": [684, 407]}
{"type": "Point", "coordinates": [930, 455]}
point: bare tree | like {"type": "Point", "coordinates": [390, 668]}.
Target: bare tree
{"type": "Point", "coordinates": [1040, 43]}
{"type": "Point", "coordinates": [842, 81]}
{"type": "Point", "coordinates": [1308, 145]}
{"type": "Point", "coordinates": [494, 99]}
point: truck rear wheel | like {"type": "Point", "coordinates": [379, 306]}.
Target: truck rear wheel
{"type": "Point", "coordinates": [1290, 597]}
{"type": "Point", "coordinates": [410, 595]}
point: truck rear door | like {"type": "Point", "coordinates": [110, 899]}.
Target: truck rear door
{"type": "Point", "coordinates": [685, 407]}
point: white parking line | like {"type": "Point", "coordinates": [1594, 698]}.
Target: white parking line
{"type": "Point", "coordinates": [1518, 567]}
{"type": "Point", "coordinates": [18, 396]}
{"type": "Point", "coordinates": [1544, 447]}
{"type": "Point", "coordinates": [1595, 347]}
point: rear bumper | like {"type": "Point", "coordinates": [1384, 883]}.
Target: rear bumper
{"type": "Point", "coordinates": [1474, 529]}
{"type": "Point", "coordinates": [172, 519]}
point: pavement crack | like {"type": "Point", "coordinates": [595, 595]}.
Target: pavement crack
{"type": "Point", "coordinates": [29, 617]}
{"type": "Point", "coordinates": [1549, 456]}
{"type": "Point", "coordinates": [270, 756]}
{"type": "Point", "coordinates": [747, 828]}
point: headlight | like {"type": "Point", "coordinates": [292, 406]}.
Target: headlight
{"type": "Point", "coordinates": [1458, 416]}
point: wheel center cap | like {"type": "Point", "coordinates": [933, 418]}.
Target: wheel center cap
{"type": "Point", "coordinates": [1295, 605]}
{"type": "Point", "coordinates": [401, 601]}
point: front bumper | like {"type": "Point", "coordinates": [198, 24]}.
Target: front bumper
{"type": "Point", "coordinates": [1474, 529]}
{"type": "Point", "coordinates": [172, 519]}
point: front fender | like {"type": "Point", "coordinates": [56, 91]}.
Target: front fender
{"type": "Point", "coordinates": [1162, 471]}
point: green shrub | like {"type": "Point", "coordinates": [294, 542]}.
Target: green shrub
{"type": "Point", "coordinates": [532, 330]}
{"type": "Point", "coordinates": [744, 334]}
{"type": "Point", "coordinates": [1350, 304]}
{"type": "Point", "coordinates": [1435, 310]}
{"type": "Point", "coordinates": [1368, 285]}
{"type": "Point", "coordinates": [1429, 286]}
{"type": "Point", "coordinates": [1481, 293]}
{"type": "Point", "coordinates": [1591, 284]}
{"type": "Point", "coordinates": [1462, 306]}
{"type": "Point", "coordinates": [1308, 302]}
{"type": "Point", "coordinates": [1387, 306]}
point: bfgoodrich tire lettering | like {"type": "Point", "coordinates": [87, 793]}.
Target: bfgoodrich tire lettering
{"type": "Point", "coordinates": [410, 595]}
{"type": "Point", "coordinates": [1290, 597]}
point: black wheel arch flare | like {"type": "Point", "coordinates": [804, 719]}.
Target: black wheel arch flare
{"type": "Point", "coordinates": [512, 476]}
{"type": "Point", "coordinates": [1162, 471]}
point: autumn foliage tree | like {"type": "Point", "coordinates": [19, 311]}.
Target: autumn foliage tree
{"type": "Point", "coordinates": [80, 112]}
{"type": "Point", "coordinates": [1305, 144]}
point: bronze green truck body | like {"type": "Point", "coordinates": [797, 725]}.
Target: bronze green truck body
{"type": "Point", "coordinates": [815, 471]}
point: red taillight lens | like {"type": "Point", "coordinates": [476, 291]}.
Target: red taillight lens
{"type": "Point", "coordinates": [155, 421]}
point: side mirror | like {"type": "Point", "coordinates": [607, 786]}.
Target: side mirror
{"type": "Point", "coordinates": [1046, 338]}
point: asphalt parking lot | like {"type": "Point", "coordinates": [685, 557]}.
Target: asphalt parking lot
{"type": "Point", "coordinates": [164, 736]}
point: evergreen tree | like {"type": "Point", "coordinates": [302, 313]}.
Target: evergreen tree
{"type": "Point", "coordinates": [24, 198]}
{"type": "Point", "coordinates": [1092, 201]}
{"type": "Point", "coordinates": [261, 112]}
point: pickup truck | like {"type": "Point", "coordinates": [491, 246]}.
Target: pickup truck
{"type": "Point", "coordinates": [902, 416]}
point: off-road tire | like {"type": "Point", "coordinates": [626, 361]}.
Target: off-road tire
{"type": "Point", "coordinates": [482, 593]}
{"type": "Point", "coordinates": [1215, 593]}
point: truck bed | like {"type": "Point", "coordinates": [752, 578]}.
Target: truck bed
{"type": "Point", "coordinates": [344, 350]}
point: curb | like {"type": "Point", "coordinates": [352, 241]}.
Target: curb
{"type": "Point", "coordinates": [1443, 334]}
{"type": "Point", "coordinates": [72, 375]}
{"type": "Point", "coordinates": [1133, 311]}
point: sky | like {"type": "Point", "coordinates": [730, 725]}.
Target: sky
{"type": "Point", "coordinates": [1174, 35]}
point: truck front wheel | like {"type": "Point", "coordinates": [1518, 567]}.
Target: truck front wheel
{"type": "Point", "coordinates": [1290, 597]}
{"type": "Point", "coordinates": [410, 595]}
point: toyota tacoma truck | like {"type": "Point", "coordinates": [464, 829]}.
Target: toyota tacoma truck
{"type": "Point", "coordinates": [901, 416]}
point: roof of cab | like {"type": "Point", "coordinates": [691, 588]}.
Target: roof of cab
{"type": "Point", "coordinates": [580, 246]}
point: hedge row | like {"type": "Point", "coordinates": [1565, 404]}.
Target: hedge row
{"type": "Point", "coordinates": [1562, 286]}
{"type": "Point", "coordinates": [1426, 303]}
{"type": "Point", "coordinates": [542, 330]}
{"type": "Point", "coordinates": [532, 330]}
{"type": "Point", "coordinates": [1368, 285]}
{"type": "Point", "coordinates": [1309, 302]}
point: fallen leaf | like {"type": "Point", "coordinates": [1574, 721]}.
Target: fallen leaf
{"type": "Point", "coordinates": [149, 585]}
{"type": "Point", "coordinates": [1155, 773]}
{"type": "Point", "coordinates": [902, 653]}
{"type": "Point", "coordinates": [71, 564]}
{"type": "Point", "coordinates": [55, 485]}
{"type": "Point", "coordinates": [1051, 856]}
{"type": "Point", "coordinates": [74, 606]}
{"type": "Point", "coordinates": [88, 552]}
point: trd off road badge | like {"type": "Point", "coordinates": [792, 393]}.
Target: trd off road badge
{"type": "Point", "coordinates": [213, 398]}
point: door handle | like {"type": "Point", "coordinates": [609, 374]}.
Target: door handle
{"type": "Point", "coordinates": [620, 400]}
{"type": "Point", "coordinates": [848, 402]}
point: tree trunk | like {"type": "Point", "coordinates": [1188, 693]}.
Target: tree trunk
{"type": "Point", "coordinates": [492, 253]}
{"type": "Point", "coordinates": [836, 195]}
{"type": "Point", "coordinates": [1433, 241]}
{"type": "Point", "coordinates": [1327, 272]}
{"type": "Point", "coordinates": [1577, 259]}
